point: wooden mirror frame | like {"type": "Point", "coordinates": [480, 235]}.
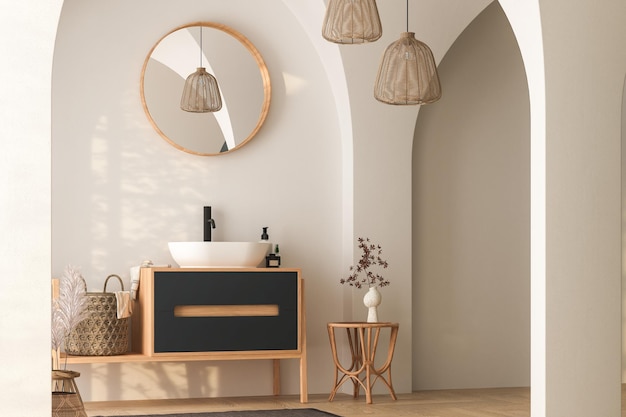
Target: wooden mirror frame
{"type": "Point", "coordinates": [267, 89]}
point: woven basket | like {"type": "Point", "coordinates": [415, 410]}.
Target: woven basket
{"type": "Point", "coordinates": [101, 333]}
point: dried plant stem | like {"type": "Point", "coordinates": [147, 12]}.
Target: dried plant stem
{"type": "Point", "coordinates": [68, 310]}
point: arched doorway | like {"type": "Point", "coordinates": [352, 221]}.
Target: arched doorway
{"type": "Point", "coordinates": [471, 216]}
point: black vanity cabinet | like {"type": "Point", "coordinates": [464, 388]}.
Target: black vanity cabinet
{"type": "Point", "coordinates": [198, 314]}
{"type": "Point", "coordinates": [214, 311]}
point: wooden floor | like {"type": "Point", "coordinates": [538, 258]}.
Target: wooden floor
{"type": "Point", "coordinates": [497, 402]}
{"type": "Point", "coordinates": [501, 402]}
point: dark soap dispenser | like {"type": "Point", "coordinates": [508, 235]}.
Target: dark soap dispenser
{"type": "Point", "coordinates": [264, 236]}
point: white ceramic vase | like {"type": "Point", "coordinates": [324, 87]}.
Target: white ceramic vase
{"type": "Point", "coordinates": [372, 300]}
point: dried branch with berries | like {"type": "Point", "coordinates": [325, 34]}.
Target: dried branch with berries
{"type": "Point", "coordinates": [361, 274]}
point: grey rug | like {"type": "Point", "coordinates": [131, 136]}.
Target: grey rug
{"type": "Point", "coordinates": [295, 412]}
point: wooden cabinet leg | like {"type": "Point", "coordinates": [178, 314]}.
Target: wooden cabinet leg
{"type": "Point", "coordinates": [276, 376]}
{"type": "Point", "coordinates": [304, 396]}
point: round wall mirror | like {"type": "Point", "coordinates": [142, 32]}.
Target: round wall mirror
{"type": "Point", "coordinates": [241, 75]}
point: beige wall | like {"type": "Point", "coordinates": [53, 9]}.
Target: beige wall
{"type": "Point", "coordinates": [583, 204]}
{"type": "Point", "coordinates": [623, 157]}
{"type": "Point", "coordinates": [471, 217]}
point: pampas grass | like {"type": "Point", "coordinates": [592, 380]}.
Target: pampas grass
{"type": "Point", "coordinates": [69, 309]}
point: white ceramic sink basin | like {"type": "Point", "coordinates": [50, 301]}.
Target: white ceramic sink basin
{"type": "Point", "coordinates": [219, 254]}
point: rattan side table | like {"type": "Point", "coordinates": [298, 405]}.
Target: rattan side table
{"type": "Point", "coordinates": [363, 341]}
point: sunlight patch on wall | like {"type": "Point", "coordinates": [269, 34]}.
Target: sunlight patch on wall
{"type": "Point", "coordinates": [293, 84]}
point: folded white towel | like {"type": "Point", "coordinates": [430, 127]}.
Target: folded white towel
{"type": "Point", "coordinates": [124, 305]}
{"type": "Point", "coordinates": [134, 281]}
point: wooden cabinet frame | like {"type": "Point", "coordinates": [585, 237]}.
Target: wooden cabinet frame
{"type": "Point", "coordinates": [143, 334]}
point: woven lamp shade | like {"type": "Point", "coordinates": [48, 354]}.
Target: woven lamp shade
{"type": "Point", "coordinates": [201, 93]}
{"type": "Point", "coordinates": [407, 73]}
{"type": "Point", "coordinates": [351, 21]}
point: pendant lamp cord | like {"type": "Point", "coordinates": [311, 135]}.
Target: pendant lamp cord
{"type": "Point", "coordinates": [200, 46]}
{"type": "Point", "coordinates": [407, 15]}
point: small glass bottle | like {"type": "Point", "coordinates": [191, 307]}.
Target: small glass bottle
{"type": "Point", "coordinates": [273, 259]}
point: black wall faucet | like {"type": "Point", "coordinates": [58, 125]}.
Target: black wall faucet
{"type": "Point", "coordinates": [209, 223]}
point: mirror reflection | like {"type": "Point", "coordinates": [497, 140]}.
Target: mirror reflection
{"type": "Point", "coordinates": [242, 77]}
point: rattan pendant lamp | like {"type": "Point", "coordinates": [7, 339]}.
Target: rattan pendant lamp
{"type": "Point", "coordinates": [407, 73]}
{"type": "Point", "coordinates": [351, 22]}
{"type": "Point", "coordinates": [201, 93]}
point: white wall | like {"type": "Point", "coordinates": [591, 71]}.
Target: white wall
{"type": "Point", "coordinates": [120, 192]}
{"type": "Point", "coordinates": [471, 217]}
{"type": "Point", "coordinates": [25, 201]}
{"type": "Point", "coordinates": [525, 19]}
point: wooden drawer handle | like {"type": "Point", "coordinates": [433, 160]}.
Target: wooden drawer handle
{"type": "Point", "coordinates": [255, 310]}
